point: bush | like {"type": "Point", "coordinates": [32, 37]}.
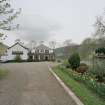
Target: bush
{"type": "Point", "coordinates": [99, 70]}
{"type": "Point", "coordinates": [82, 68]}
{"type": "Point", "coordinates": [30, 57]}
{"type": "Point", "coordinates": [17, 58]}
{"type": "Point", "coordinates": [66, 64]}
{"type": "Point", "coordinates": [59, 61]}
{"type": "Point", "coordinates": [74, 61]}
{"type": "Point", "coordinates": [100, 51]}
{"type": "Point", "coordinates": [88, 81]}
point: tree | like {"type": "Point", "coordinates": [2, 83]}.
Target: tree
{"type": "Point", "coordinates": [67, 42]}
{"type": "Point", "coordinates": [30, 57]}
{"type": "Point", "coordinates": [100, 26]}
{"type": "Point", "coordinates": [100, 51]}
{"type": "Point", "coordinates": [88, 46]}
{"type": "Point", "coordinates": [100, 41]}
{"type": "Point", "coordinates": [52, 44]}
{"type": "Point", "coordinates": [17, 58]}
{"type": "Point", "coordinates": [99, 70]}
{"type": "Point", "coordinates": [67, 48]}
{"type": "Point", "coordinates": [7, 15]}
{"type": "Point", "coordinates": [100, 30]}
{"type": "Point", "coordinates": [74, 61]}
{"type": "Point", "coordinates": [33, 44]}
{"type": "Point", "coordinates": [41, 42]}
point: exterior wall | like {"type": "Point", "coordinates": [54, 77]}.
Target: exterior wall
{"type": "Point", "coordinates": [41, 54]}
{"type": "Point", "coordinates": [44, 57]}
{"type": "Point", "coordinates": [10, 56]}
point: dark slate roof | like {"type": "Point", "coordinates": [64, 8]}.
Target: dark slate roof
{"type": "Point", "coordinates": [42, 46]}
{"type": "Point", "coordinates": [19, 44]}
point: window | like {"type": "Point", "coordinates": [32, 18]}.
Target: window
{"type": "Point", "coordinates": [17, 52]}
{"type": "Point", "coordinates": [46, 51]}
{"type": "Point", "coordinates": [37, 51]}
{"type": "Point", "coordinates": [41, 50]}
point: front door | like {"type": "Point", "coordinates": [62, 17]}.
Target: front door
{"type": "Point", "coordinates": [46, 58]}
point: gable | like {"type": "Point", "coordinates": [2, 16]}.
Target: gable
{"type": "Point", "coordinates": [42, 47]}
{"type": "Point", "coordinates": [18, 47]}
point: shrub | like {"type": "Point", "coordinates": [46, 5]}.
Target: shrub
{"type": "Point", "coordinates": [100, 51]}
{"type": "Point", "coordinates": [17, 58]}
{"type": "Point", "coordinates": [88, 81]}
{"type": "Point", "coordinates": [99, 70]}
{"type": "Point", "coordinates": [58, 60]}
{"type": "Point", "coordinates": [30, 57]}
{"type": "Point", "coordinates": [82, 68]}
{"type": "Point", "coordinates": [66, 64]}
{"type": "Point", "coordinates": [74, 61]}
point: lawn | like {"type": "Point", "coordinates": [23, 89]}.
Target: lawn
{"type": "Point", "coordinates": [3, 73]}
{"type": "Point", "coordinates": [84, 94]}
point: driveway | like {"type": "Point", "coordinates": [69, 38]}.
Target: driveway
{"type": "Point", "coordinates": [31, 84]}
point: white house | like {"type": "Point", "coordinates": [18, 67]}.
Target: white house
{"type": "Point", "coordinates": [39, 53]}
{"type": "Point", "coordinates": [14, 50]}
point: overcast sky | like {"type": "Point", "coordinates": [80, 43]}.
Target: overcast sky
{"type": "Point", "coordinates": [56, 19]}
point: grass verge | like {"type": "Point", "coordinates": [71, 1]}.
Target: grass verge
{"type": "Point", "coordinates": [84, 94]}
{"type": "Point", "coordinates": [3, 73]}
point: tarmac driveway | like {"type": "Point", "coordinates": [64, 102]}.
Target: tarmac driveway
{"type": "Point", "coordinates": [31, 84]}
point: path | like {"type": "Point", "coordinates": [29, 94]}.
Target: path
{"type": "Point", "coordinates": [31, 84]}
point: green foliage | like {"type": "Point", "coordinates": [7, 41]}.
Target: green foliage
{"type": "Point", "coordinates": [17, 58]}
{"type": "Point", "coordinates": [87, 48]}
{"type": "Point", "coordinates": [59, 60]}
{"type": "Point", "coordinates": [30, 57]}
{"type": "Point", "coordinates": [99, 70]}
{"type": "Point", "coordinates": [2, 48]}
{"type": "Point", "coordinates": [100, 51]}
{"type": "Point", "coordinates": [76, 82]}
{"type": "Point", "coordinates": [8, 14]}
{"type": "Point", "coordinates": [82, 68]}
{"type": "Point", "coordinates": [74, 61]}
{"type": "Point", "coordinates": [66, 64]}
{"type": "Point", "coordinates": [3, 73]}
{"type": "Point", "coordinates": [87, 80]}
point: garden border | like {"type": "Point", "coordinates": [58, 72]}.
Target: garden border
{"type": "Point", "coordinates": [70, 93]}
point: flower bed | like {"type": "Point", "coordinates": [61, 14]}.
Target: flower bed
{"type": "Point", "coordinates": [88, 80]}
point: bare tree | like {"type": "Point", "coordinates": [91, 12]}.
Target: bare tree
{"type": "Point", "coordinates": [41, 42]}
{"type": "Point", "coordinates": [33, 44]}
{"type": "Point", "coordinates": [99, 26]}
{"type": "Point", "coordinates": [17, 41]}
{"type": "Point", "coordinates": [100, 30]}
{"type": "Point", "coordinates": [53, 44]}
{"type": "Point", "coordinates": [67, 42]}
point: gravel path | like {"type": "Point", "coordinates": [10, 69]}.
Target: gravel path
{"type": "Point", "coordinates": [31, 84]}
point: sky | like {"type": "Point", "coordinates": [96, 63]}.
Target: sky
{"type": "Point", "coordinates": [58, 20]}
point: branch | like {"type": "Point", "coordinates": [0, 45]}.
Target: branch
{"type": "Point", "coordinates": [8, 21]}
{"type": "Point", "coordinates": [1, 1]}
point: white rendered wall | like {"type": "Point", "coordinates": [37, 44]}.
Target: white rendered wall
{"type": "Point", "coordinates": [17, 47]}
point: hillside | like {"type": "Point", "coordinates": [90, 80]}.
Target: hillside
{"type": "Point", "coordinates": [65, 52]}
